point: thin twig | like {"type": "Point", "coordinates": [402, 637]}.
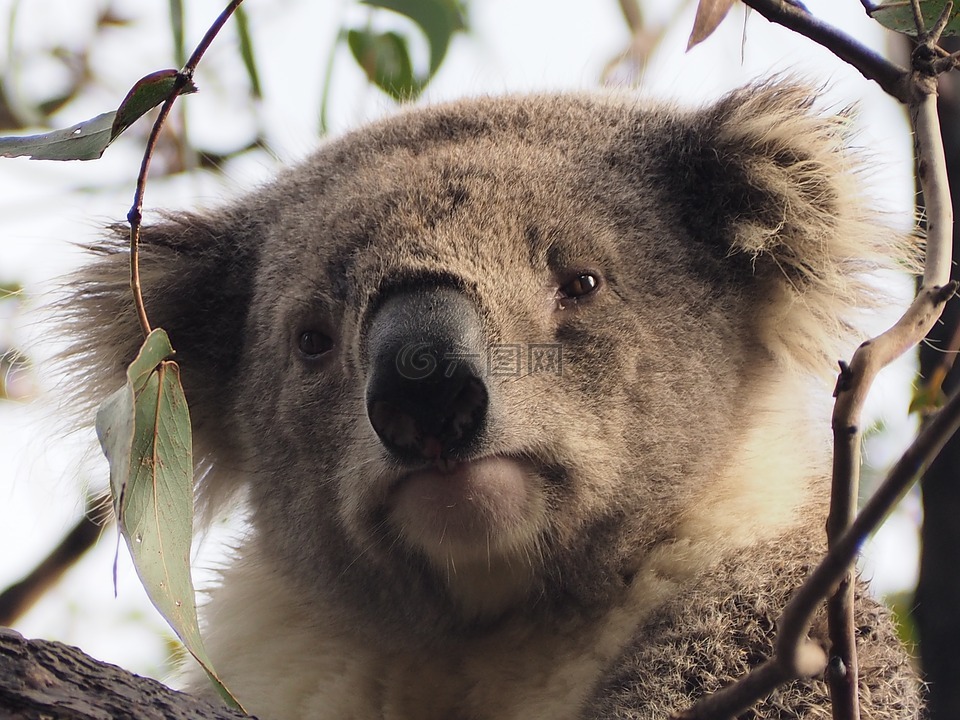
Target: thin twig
{"type": "Point", "coordinates": [857, 378]}
{"type": "Point", "coordinates": [135, 215]}
{"type": "Point", "coordinates": [734, 699]}
{"type": "Point", "coordinates": [843, 665]}
{"type": "Point", "coordinates": [918, 17]}
{"type": "Point", "coordinates": [873, 66]}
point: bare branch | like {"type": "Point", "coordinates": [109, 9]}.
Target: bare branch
{"type": "Point", "coordinates": [135, 214]}
{"type": "Point", "coordinates": [918, 17]}
{"type": "Point", "coordinates": [794, 656]}
{"type": "Point", "coordinates": [932, 172]}
{"type": "Point", "coordinates": [873, 66]}
{"type": "Point", "coordinates": [734, 699]}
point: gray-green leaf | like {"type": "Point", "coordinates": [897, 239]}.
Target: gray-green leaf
{"type": "Point", "coordinates": [87, 140]}
{"type": "Point", "coordinates": [144, 430]}
{"type": "Point", "coordinates": [84, 141]}
{"type": "Point", "coordinates": [897, 15]}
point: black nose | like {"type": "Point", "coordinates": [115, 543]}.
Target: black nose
{"type": "Point", "coordinates": [426, 396]}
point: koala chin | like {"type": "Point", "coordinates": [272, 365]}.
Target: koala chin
{"type": "Point", "coordinates": [524, 397]}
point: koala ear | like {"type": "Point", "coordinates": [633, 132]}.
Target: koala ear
{"type": "Point", "coordinates": [775, 182]}
{"type": "Point", "coordinates": [196, 274]}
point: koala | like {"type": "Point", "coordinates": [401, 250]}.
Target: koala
{"type": "Point", "coordinates": [520, 394]}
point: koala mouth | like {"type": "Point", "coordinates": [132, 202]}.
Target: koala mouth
{"type": "Point", "coordinates": [462, 511]}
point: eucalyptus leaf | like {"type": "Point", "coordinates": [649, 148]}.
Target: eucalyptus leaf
{"type": "Point", "coordinates": [898, 15]}
{"type": "Point", "coordinates": [385, 59]}
{"type": "Point", "coordinates": [710, 13]}
{"type": "Point", "coordinates": [144, 430]}
{"type": "Point", "coordinates": [438, 19]}
{"type": "Point", "coordinates": [87, 140]}
{"type": "Point", "coordinates": [84, 141]}
{"type": "Point", "coordinates": [148, 92]}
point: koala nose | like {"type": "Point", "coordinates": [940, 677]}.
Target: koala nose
{"type": "Point", "coordinates": [426, 396]}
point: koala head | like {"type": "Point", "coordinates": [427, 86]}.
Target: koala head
{"type": "Point", "coordinates": [489, 356]}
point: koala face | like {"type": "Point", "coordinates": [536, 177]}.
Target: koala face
{"type": "Point", "coordinates": [483, 359]}
{"type": "Point", "coordinates": [455, 380]}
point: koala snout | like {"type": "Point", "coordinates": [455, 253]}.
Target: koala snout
{"type": "Point", "coordinates": [426, 396]}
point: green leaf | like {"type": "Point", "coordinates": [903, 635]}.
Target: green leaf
{"type": "Point", "coordinates": [176, 29]}
{"type": "Point", "coordinates": [148, 92]}
{"type": "Point", "coordinates": [84, 141]}
{"type": "Point", "coordinates": [386, 61]}
{"type": "Point", "coordinates": [438, 19]}
{"type": "Point", "coordinates": [87, 140]}
{"type": "Point", "coordinates": [897, 15]}
{"type": "Point", "coordinates": [246, 52]}
{"type": "Point", "coordinates": [144, 430]}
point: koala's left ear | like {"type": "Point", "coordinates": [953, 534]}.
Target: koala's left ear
{"type": "Point", "coordinates": [775, 184]}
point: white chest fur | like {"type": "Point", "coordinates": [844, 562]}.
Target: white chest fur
{"type": "Point", "coordinates": [286, 660]}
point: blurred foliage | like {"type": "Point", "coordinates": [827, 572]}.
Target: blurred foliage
{"type": "Point", "coordinates": [18, 113]}
{"type": "Point", "coordinates": [902, 605]}
{"type": "Point", "coordinates": [385, 56]}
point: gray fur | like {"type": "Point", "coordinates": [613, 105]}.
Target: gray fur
{"type": "Point", "coordinates": [629, 569]}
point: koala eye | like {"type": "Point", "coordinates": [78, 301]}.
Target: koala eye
{"type": "Point", "coordinates": [580, 285]}
{"type": "Point", "coordinates": [312, 344]}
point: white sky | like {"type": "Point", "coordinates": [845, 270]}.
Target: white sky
{"type": "Point", "coordinates": [515, 45]}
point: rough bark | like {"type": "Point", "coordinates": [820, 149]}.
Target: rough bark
{"type": "Point", "coordinates": [53, 681]}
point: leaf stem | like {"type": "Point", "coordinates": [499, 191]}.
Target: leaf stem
{"type": "Point", "coordinates": [135, 215]}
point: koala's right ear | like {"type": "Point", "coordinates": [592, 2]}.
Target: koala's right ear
{"type": "Point", "coordinates": [772, 195]}
{"type": "Point", "coordinates": [196, 277]}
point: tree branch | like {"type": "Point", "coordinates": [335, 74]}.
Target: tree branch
{"type": "Point", "coordinates": [43, 679]}
{"type": "Point", "coordinates": [794, 656]}
{"type": "Point", "coordinates": [932, 172]}
{"type": "Point", "coordinates": [873, 66]}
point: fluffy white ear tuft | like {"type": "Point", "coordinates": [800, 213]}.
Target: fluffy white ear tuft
{"type": "Point", "coordinates": [792, 196]}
